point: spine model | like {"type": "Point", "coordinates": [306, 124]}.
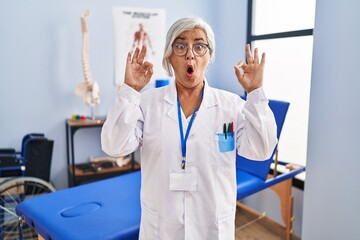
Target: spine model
{"type": "Point", "coordinates": [87, 90]}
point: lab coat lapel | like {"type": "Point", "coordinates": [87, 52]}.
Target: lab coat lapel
{"type": "Point", "coordinates": [202, 116]}
{"type": "Point", "coordinates": [170, 103]}
{"type": "Point", "coordinates": [208, 104]}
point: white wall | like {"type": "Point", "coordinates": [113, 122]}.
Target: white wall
{"type": "Point", "coordinates": [332, 189]}
{"type": "Point", "coordinates": [230, 33]}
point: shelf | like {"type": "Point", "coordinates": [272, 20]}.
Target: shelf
{"type": "Point", "coordinates": [126, 168]}
{"type": "Point", "coordinates": [81, 177]}
{"type": "Point", "coordinates": [85, 123]}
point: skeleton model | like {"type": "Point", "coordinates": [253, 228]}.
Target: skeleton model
{"type": "Point", "coordinates": [87, 90]}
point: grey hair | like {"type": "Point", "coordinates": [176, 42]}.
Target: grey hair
{"type": "Point", "coordinates": [183, 25]}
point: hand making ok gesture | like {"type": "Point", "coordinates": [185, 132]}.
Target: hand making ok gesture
{"type": "Point", "coordinates": [250, 75]}
{"type": "Point", "coordinates": [138, 72]}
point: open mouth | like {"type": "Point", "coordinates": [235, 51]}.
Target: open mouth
{"type": "Point", "coordinates": [190, 70]}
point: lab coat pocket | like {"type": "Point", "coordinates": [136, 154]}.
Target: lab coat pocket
{"type": "Point", "coordinates": [226, 226]}
{"type": "Point", "coordinates": [149, 229]}
{"type": "Point", "coordinates": [226, 142]}
{"type": "Point", "coordinates": [223, 151]}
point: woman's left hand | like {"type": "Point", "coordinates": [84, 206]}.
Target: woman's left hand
{"type": "Point", "coordinates": [250, 75]}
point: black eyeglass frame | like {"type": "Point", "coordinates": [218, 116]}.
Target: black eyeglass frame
{"type": "Point", "coordinates": [192, 49]}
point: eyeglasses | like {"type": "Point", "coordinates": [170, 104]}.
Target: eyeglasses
{"type": "Point", "coordinates": [199, 49]}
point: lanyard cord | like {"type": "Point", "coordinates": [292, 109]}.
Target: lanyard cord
{"type": "Point", "coordinates": [182, 138]}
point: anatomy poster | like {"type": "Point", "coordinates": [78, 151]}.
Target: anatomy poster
{"type": "Point", "coordinates": [135, 27]}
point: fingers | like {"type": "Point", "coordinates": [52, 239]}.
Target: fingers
{"type": "Point", "coordinates": [256, 56]}
{"type": "Point", "coordinates": [135, 56]}
{"type": "Point", "coordinates": [254, 59]}
{"type": "Point", "coordinates": [147, 66]}
{"type": "Point", "coordinates": [142, 55]}
{"type": "Point", "coordinates": [149, 70]}
{"type": "Point", "coordinates": [249, 56]}
{"type": "Point", "coordinates": [239, 72]}
{"type": "Point", "coordinates": [241, 64]}
{"type": "Point", "coordinates": [262, 59]}
{"type": "Point", "coordinates": [138, 56]}
{"type": "Point", "coordinates": [239, 69]}
{"type": "Point", "coordinates": [128, 59]}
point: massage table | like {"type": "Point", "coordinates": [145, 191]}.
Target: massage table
{"type": "Point", "coordinates": [103, 210]}
{"type": "Point", "coordinates": [106, 209]}
{"type": "Point", "coordinates": [110, 209]}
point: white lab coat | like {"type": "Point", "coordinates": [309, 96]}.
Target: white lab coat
{"type": "Point", "coordinates": [150, 120]}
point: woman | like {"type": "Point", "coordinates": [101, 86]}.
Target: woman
{"type": "Point", "coordinates": [189, 133]}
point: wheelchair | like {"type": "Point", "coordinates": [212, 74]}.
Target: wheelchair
{"type": "Point", "coordinates": [23, 175]}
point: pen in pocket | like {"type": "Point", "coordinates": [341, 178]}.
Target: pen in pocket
{"type": "Point", "coordinates": [231, 126]}
{"type": "Point", "coordinates": [224, 130]}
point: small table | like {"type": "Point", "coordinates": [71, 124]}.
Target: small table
{"type": "Point", "coordinates": [75, 175]}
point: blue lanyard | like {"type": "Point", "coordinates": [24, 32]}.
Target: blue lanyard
{"type": "Point", "coordinates": [182, 138]}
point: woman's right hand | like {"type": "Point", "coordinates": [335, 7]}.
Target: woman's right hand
{"type": "Point", "coordinates": [138, 72]}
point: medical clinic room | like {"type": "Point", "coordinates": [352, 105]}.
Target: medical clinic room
{"type": "Point", "coordinates": [179, 120]}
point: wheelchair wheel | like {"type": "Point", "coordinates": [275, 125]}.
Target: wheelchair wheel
{"type": "Point", "coordinates": [12, 192]}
